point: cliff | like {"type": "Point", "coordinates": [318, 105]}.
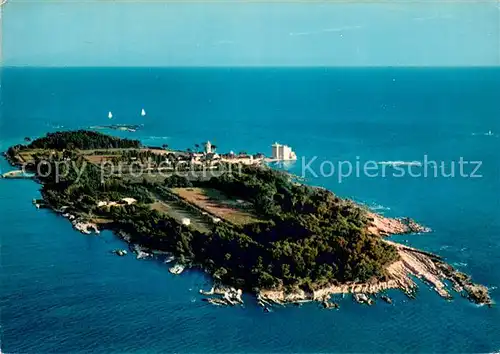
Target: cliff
{"type": "Point", "coordinates": [413, 263]}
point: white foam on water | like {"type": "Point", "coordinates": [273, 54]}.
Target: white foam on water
{"type": "Point", "coordinates": [489, 134]}
{"type": "Point", "coordinates": [158, 137]}
{"type": "Point", "coordinates": [376, 206]}
{"type": "Point", "coordinates": [373, 206]}
{"type": "Point", "coordinates": [400, 163]}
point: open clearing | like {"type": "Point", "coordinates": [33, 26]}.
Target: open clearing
{"type": "Point", "coordinates": [28, 155]}
{"type": "Point", "coordinates": [176, 211]}
{"type": "Point", "coordinates": [238, 212]}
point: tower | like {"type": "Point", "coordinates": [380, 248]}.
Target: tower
{"type": "Point", "coordinates": [276, 151]}
{"type": "Point", "coordinates": [208, 147]}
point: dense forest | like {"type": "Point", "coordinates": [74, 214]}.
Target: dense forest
{"type": "Point", "coordinates": [307, 236]}
{"type": "Point", "coordinates": [81, 139]}
{"type": "Point", "coordinates": [311, 237]}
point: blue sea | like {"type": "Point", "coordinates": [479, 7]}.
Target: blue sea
{"type": "Point", "coordinates": [63, 292]}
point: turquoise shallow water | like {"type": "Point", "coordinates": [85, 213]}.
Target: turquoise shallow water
{"type": "Point", "coordinates": [64, 292]}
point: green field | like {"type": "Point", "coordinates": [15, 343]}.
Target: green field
{"type": "Point", "coordinates": [235, 211]}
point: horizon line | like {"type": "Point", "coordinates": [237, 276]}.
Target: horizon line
{"type": "Point", "coordinates": [251, 67]}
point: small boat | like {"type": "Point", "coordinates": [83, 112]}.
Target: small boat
{"type": "Point", "coordinates": [489, 133]}
{"type": "Point", "coordinates": [143, 112]}
{"type": "Point", "coordinates": [177, 269]}
{"type": "Point", "coordinates": [110, 115]}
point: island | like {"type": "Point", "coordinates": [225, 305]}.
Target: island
{"type": "Point", "coordinates": [251, 227]}
{"type": "Point", "coordinates": [122, 127]}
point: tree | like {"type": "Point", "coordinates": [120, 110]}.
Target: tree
{"type": "Point", "coordinates": [304, 237]}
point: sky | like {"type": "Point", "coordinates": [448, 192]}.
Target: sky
{"type": "Point", "coordinates": [248, 33]}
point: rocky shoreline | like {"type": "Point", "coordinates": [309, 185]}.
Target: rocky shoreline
{"type": "Point", "coordinates": [413, 263]}
{"type": "Point", "coordinates": [383, 226]}
{"type": "Point", "coordinates": [223, 296]}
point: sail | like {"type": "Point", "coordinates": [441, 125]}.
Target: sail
{"type": "Point", "coordinates": [110, 115]}
{"type": "Point", "coordinates": [143, 112]}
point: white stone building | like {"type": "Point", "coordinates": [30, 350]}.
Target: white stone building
{"type": "Point", "coordinates": [283, 152]}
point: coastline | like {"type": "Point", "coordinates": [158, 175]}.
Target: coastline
{"type": "Point", "coordinates": [413, 263]}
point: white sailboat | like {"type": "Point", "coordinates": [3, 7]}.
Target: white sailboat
{"type": "Point", "coordinates": [143, 112]}
{"type": "Point", "coordinates": [110, 115]}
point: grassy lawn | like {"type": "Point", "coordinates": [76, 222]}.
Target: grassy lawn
{"type": "Point", "coordinates": [177, 212]}
{"type": "Point", "coordinates": [116, 151]}
{"type": "Point", "coordinates": [27, 155]}
{"type": "Point", "coordinates": [98, 159]}
{"type": "Point", "coordinates": [217, 203]}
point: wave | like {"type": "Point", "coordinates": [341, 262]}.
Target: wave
{"type": "Point", "coordinates": [54, 126]}
{"type": "Point", "coordinates": [157, 138]}
{"type": "Point", "coordinates": [489, 133]}
{"type": "Point", "coordinates": [376, 207]}
{"type": "Point", "coordinates": [400, 163]}
{"type": "Point", "coordinates": [373, 206]}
